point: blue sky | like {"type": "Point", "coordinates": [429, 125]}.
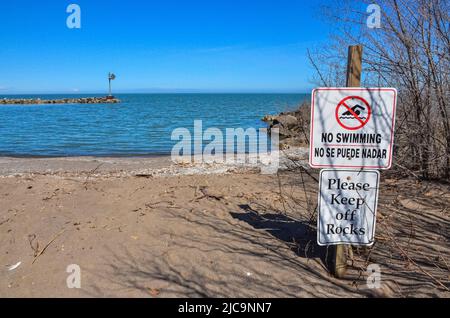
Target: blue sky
{"type": "Point", "coordinates": [158, 46]}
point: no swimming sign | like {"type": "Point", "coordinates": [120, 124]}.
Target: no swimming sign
{"type": "Point", "coordinates": [352, 127]}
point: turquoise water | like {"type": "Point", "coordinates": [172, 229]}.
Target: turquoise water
{"type": "Point", "coordinates": [141, 125]}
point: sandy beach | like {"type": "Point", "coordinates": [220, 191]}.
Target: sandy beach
{"type": "Point", "coordinates": [144, 227]}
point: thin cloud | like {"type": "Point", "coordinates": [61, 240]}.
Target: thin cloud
{"type": "Point", "coordinates": [217, 49]}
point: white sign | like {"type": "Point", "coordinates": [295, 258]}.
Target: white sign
{"type": "Point", "coordinates": [352, 127]}
{"type": "Point", "coordinates": [347, 207]}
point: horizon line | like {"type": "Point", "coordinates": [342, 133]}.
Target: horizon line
{"type": "Point", "coordinates": [153, 92]}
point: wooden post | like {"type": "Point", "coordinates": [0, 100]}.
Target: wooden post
{"type": "Point", "coordinates": [354, 69]}
{"type": "Point", "coordinates": [354, 66]}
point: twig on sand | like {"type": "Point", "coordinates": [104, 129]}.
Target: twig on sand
{"type": "Point", "coordinates": [205, 193]}
{"type": "Point", "coordinates": [136, 190]}
{"type": "Point", "coordinates": [281, 193]}
{"type": "Point", "coordinates": [89, 175]}
{"type": "Point", "coordinates": [171, 205]}
{"type": "Point", "coordinates": [152, 205]}
{"type": "Point", "coordinates": [34, 247]}
{"type": "Point", "coordinates": [48, 244]}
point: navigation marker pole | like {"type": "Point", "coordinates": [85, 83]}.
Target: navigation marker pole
{"type": "Point", "coordinates": [111, 77]}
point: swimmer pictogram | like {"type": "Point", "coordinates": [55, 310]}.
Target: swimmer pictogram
{"type": "Point", "coordinates": [353, 113]}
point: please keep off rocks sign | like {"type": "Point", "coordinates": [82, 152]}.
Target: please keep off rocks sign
{"type": "Point", "coordinates": [347, 207]}
{"type": "Point", "coordinates": [352, 129]}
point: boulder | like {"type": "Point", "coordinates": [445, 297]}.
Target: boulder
{"type": "Point", "coordinates": [293, 126]}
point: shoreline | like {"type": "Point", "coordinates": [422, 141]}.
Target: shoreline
{"type": "Point", "coordinates": [161, 165]}
{"type": "Point", "coordinates": [131, 155]}
{"type": "Point", "coordinates": [80, 166]}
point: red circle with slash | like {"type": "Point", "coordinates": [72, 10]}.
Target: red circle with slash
{"type": "Point", "coordinates": [359, 122]}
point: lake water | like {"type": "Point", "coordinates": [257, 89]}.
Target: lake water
{"type": "Point", "coordinates": [141, 124]}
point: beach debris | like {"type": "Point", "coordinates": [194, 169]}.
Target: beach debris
{"type": "Point", "coordinates": [13, 267]}
{"type": "Point", "coordinates": [34, 246]}
{"type": "Point", "coordinates": [206, 194]}
{"type": "Point", "coordinates": [48, 244]}
{"type": "Point", "coordinates": [144, 175]}
{"type": "Point", "coordinates": [136, 190]}
{"type": "Point", "coordinates": [54, 194]}
{"type": "Point", "coordinates": [154, 291]}
{"type": "Point", "coordinates": [153, 205]}
{"type": "Point", "coordinates": [89, 175]}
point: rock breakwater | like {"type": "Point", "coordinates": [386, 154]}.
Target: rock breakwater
{"type": "Point", "coordinates": [38, 101]}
